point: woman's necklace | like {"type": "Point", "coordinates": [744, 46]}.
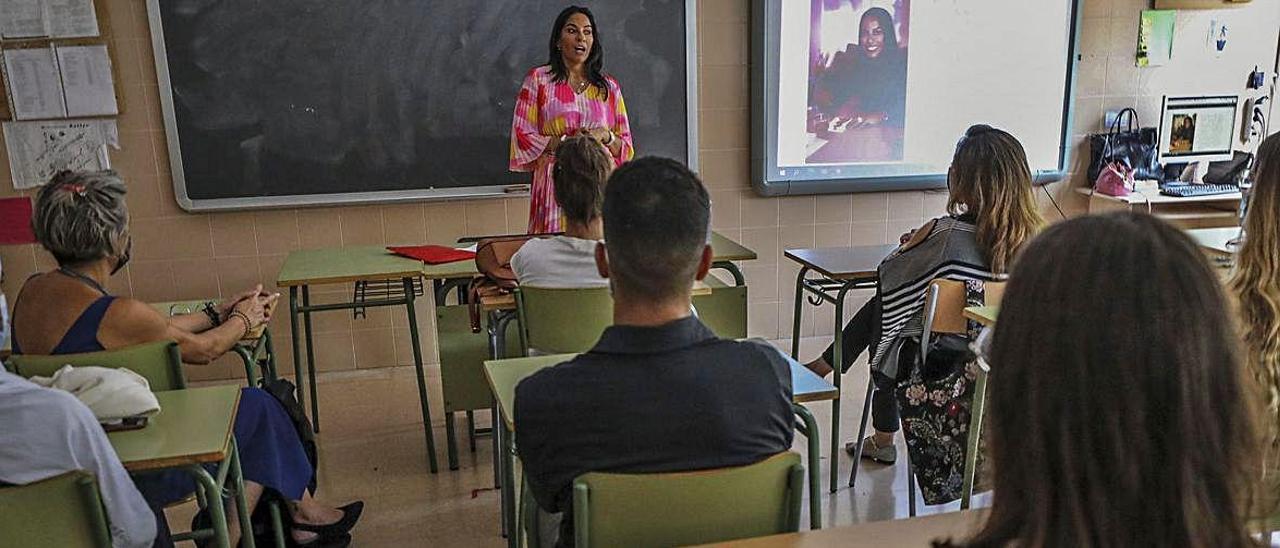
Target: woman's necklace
{"type": "Point", "coordinates": [87, 280]}
{"type": "Point", "coordinates": [578, 87]}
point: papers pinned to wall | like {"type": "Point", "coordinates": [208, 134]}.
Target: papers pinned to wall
{"type": "Point", "coordinates": [60, 82]}
{"type": "Point", "coordinates": [38, 150]}
{"type": "Point", "coordinates": [21, 19]}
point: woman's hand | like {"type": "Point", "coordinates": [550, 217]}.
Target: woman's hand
{"type": "Point", "coordinates": [225, 307]}
{"type": "Point", "coordinates": [253, 310]}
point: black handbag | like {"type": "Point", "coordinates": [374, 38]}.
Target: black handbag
{"type": "Point", "coordinates": [1132, 145]}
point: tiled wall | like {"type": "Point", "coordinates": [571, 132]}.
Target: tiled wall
{"type": "Point", "coordinates": [184, 256]}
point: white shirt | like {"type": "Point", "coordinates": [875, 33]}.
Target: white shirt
{"type": "Point", "coordinates": [44, 433]}
{"type": "Point", "coordinates": [559, 262]}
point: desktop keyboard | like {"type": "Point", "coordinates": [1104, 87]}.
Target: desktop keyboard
{"type": "Point", "coordinates": [1187, 190]}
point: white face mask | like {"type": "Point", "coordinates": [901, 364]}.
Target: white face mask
{"type": "Point", "coordinates": [4, 320]}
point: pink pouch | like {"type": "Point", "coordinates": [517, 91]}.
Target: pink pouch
{"type": "Point", "coordinates": [1116, 179]}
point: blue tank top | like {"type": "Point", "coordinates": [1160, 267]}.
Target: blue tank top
{"type": "Point", "coordinates": [83, 335]}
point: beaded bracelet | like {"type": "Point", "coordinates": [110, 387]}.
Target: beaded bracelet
{"type": "Point", "coordinates": [248, 325]}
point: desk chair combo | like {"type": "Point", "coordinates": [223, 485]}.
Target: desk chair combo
{"type": "Point", "coordinates": [943, 314]}
{"type": "Point", "coordinates": [161, 364]}
{"type": "Point", "coordinates": [682, 508]}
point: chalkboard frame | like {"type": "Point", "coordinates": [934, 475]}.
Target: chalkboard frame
{"type": "Point", "coordinates": [764, 100]}
{"type": "Point", "coordinates": [173, 139]}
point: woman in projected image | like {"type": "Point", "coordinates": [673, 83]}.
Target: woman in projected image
{"type": "Point", "coordinates": [860, 99]}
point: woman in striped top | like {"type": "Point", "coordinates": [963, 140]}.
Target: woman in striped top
{"type": "Point", "coordinates": [991, 213]}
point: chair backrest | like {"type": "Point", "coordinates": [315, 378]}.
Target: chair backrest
{"type": "Point", "coordinates": [159, 362]}
{"type": "Point", "coordinates": [561, 321]}
{"type": "Point", "coordinates": [683, 508]}
{"type": "Point", "coordinates": [945, 303]}
{"type": "Point", "coordinates": [64, 511]}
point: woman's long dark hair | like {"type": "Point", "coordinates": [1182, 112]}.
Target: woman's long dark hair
{"type": "Point", "coordinates": [1120, 413]}
{"type": "Point", "coordinates": [595, 58]}
{"type": "Point", "coordinates": [886, 23]}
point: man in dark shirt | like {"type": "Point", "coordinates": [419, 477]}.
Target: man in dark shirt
{"type": "Point", "coordinates": [659, 392]}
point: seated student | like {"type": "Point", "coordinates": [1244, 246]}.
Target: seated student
{"type": "Point", "coordinates": [582, 166]}
{"type": "Point", "coordinates": [81, 219]}
{"type": "Point", "coordinates": [44, 433]}
{"type": "Point", "coordinates": [1256, 283]}
{"type": "Point", "coordinates": [1119, 412]}
{"type": "Point", "coordinates": [614, 407]}
{"type": "Point", "coordinates": [992, 212]}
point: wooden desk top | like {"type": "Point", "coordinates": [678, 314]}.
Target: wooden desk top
{"type": "Point", "coordinates": [350, 264]}
{"type": "Point", "coordinates": [1149, 192]}
{"type": "Point", "coordinates": [347, 264]}
{"type": "Point", "coordinates": [842, 263]}
{"type": "Point", "coordinates": [193, 427]}
{"type": "Point", "coordinates": [910, 533]}
{"type": "Point", "coordinates": [1215, 239]}
{"type": "Point", "coordinates": [985, 315]}
{"type": "Point", "coordinates": [504, 375]}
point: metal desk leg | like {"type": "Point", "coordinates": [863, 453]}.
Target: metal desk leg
{"type": "Point", "coordinates": [270, 349]}
{"type": "Point", "coordinates": [862, 432]}
{"type": "Point", "coordinates": [297, 354]}
{"type": "Point", "coordinates": [815, 464]}
{"type": "Point", "coordinates": [451, 440]}
{"type": "Point", "coordinates": [510, 527]}
{"type": "Point", "coordinates": [738, 279]}
{"type": "Point", "coordinates": [838, 357]}
{"type": "Point", "coordinates": [311, 359]}
{"type": "Point", "coordinates": [247, 357]}
{"type": "Point", "coordinates": [217, 513]}
{"type": "Point", "coordinates": [496, 435]}
{"type": "Point", "coordinates": [795, 322]}
{"type": "Point", "coordinates": [417, 364]}
{"type": "Point", "coordinates": [242, 505]}
{"type": "Point", "coordinates": [471, 429]}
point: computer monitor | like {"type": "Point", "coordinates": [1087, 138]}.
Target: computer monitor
{"type": "Point", "coordinates": [1197, 129]}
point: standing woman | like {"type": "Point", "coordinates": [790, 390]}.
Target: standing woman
{"type": "Point", "coordinates": [570, 95]}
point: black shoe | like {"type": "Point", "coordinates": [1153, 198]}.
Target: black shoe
{"type": "Point", "coordinates": [350, 515]}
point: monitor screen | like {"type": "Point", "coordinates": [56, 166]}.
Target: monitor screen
{"type": "Point", "coordinates": [1197, 129]}
{"type": "Point", "coordinates": [871, 95]}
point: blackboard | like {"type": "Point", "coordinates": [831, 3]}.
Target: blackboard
{"type": "Point", "coordinates": [278, 103]}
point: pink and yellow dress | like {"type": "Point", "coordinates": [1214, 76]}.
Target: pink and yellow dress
{"type": "Point", "coordinates": [547, 110]}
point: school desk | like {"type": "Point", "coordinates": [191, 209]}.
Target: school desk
{"type": "Point", "coordinates": [504, 375]}
{"type": "Point", "coordinates": [839, 270]}
{"type": "Point", "coordinates": [985, 315]}
{"type": "Point", "coordinates": [1216, 240]}
{"type": "Point", "coordinates": [917, 532]}
{"type": "Point", "coordinates": [192, 429]}
{"type": "Point", "coordinates": [359, 265]}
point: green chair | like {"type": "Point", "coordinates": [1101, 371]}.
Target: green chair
{"type": "Point", "coordinates": [683, 508]}
{"type": "Point", "coordinates": [563, 321]}
{"type": "Point", "coordinates": [159, 362]}
{"type": "Point", "coordinates": [64, 511]}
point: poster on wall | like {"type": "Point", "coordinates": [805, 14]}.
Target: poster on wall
{"type": "Point", "coordinates": [38, 150]}
{"type": "Point", "coordinates": [1155, 37]}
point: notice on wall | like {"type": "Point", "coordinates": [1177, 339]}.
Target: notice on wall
{"type": "Point", "coordinates": [47, 19]}
{"type": "Point", "coordinates": [86, 81]}
{"type": "Point", "coordinates": [38, 150]}
{"type": "Point", "coordinates": [35, 86]}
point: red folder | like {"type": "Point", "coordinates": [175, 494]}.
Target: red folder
{"type": "Point", "coordinates": [15, 221]}
{"type": "Point", "coordinates": [433, 254]}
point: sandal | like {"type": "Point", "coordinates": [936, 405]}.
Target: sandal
{"type": "Point", "coordinates": [872, 451]}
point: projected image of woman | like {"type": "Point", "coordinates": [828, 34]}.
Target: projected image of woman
{"type": "Point", "coordinates": [858, 100]}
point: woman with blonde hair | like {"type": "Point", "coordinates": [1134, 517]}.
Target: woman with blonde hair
{"type": "Point", "coordinates": [1256, 281]}
{"type": "Point", "coordinates": [991, 214]}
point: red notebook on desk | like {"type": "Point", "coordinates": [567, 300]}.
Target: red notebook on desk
{"type": "Point", "coordinates": [15, 221]}
{"type": "Point", "coordinates": [433, 254]}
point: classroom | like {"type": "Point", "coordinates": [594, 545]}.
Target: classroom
{"type": "Point", "coordinates": [639, 273]}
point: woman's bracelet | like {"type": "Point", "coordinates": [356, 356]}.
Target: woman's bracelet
{"type": "Point", "coordinates": [248, 325]}
{"type": "Point", "coordinates": [610, 141]}
{"type": "Point", "coordinates": [212, 313]}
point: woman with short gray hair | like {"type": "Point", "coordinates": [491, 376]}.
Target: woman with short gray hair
{"type": "Point", "coordinates": [82, 220]}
